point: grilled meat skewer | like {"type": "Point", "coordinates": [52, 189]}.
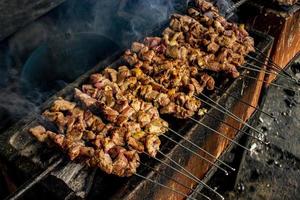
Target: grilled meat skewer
{"type": "Point", "coordinates": [111, 71]}
{"type": "Point", "coordinates": [137, 134]}
{"type": "Point", "coordinates": [86, 137]}
{"type": "Point", "coordinates": [128, 89]}
{"type": "Point", "coordinates": [166, 70]}
{"type": "Point", "coordinates": [204, 40]}
{"type": "Point", "coordinates": [177, 104]}
{"type": "Point", "coordinates": [127, 112]}
{"type": "Point", "coordinates": [117, 160]}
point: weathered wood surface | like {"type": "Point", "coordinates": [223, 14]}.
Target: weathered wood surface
{"type": "Point", "coordinates": [15, 14]}
{"type": "Point", "coordinates": [284, 27]}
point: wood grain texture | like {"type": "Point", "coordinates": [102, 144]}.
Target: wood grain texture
{"type": "Point", "coordinates": [15, 14]}
{"type": "Point", "coordinates": [285, 28]}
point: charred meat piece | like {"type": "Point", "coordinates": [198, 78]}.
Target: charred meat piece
{"type": "Point", "coordinates": [101, 160]}
{"type": "Point", "coordinates": [136, 144]}
{"type": "Point", "coordinates": [86, 99]}
{"type": "Point", "coordinates": [156, 127]}
{"type": "Point", "coordinates": [39, 132]}
{"type": "Point", "coordinates": [134, 162]}
{"type": "Point", "coordinates": [62, 105]}
{"type": "Point", "coordinates": [87, 152]}
{"type": "Point", "coordinates": [152, 144]}
{"type": "Point", "coordinates": [110, 74]}
{"type": "Point", "coordinates": [108, 150]}
{"type": "Point", "coordinates": [120, 164]}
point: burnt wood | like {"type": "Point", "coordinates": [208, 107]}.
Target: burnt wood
{"type": "Point", "coordinates": [283, 25]}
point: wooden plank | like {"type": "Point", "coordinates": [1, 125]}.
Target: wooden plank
{"type": "Point", "coordinates": [15, 14]}
{"type": "Point", "coordinates": [284, 27]}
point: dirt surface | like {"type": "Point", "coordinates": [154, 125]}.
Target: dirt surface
{"type": "Point", "coordinates": [273, 172]}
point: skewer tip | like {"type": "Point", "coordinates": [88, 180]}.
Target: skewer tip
{"type": "Point", "coordinates": [267, 142]}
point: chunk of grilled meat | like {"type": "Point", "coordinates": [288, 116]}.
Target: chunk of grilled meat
{"type": "Point", "coordinates": [104, 138]}
{"type": "Point", "coordinates": [110, 156]}
{"type": "Point", "coordinates": [62, 105]}
{"type": "Point", "coordinates": [39, 132]}
{"type": "Point", "coordinates": [117, 161]}
{"type": "Point", "coordinates": [204, 39]}
{"type": "Point", "coordinates": [70, 146]}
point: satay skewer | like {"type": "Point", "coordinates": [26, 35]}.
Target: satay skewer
{"type": "Point", "coordinates": [26, 187]}
{"type": "Point", "coordinates": [221, 134]}
{"type": "Point", "coordinates": [196, 154]}
{"type": "Point", "coordinates": [169, 129]}
{"type": "Point", "coordinates": [225, 110]}
{"type": "Point", "coordinates": [164, 186]}
{"type": "Point", "coordinates": [53, 166]}
{"type": "Point", "coordinates": [191, 175]}
{"type": "Point", "coordinates": [216, 17]}
{"type": "Point", "coordinates": [63, 107]}
{"type": "Point", "coordinates": [174, 180]}
{"type": "Point", "coordinates": [225, 113]}
{"type": "Point", "coordinates": [239, 129]}
{"type": "Point", "coordinates": [201, 149]}
{"type": "Point", "coordinates": [244, 102]}
{"type": "Point", "coordinates": [270, 72]}
{"type": "Point", "coordinates": [152, 156]}
{"type": "Point", "coordinates": [217, 132]}
{"type": "Point", "coordinates": [270, 83]}
{"type": "Point", "coordinates": [259, 52]}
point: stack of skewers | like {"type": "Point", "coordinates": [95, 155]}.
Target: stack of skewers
{"type": "Point", "coordinates": [116, 115]}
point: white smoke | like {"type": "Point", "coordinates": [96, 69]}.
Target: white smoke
{"type": "Point", "coordinates": [223, 5]}
{"type": "Point", "coordinates": [123, 21]}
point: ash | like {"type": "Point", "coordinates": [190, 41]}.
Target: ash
{"type": "Point", "coordinates": [273, 172]}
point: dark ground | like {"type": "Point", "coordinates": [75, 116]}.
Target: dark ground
{"type": "Point", "coordinates": [273, 172]}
